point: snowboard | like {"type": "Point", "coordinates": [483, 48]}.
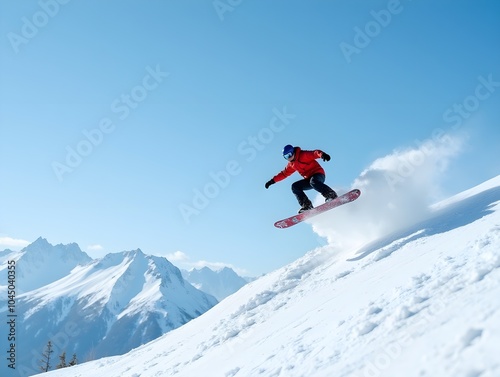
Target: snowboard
{"type": "Point", "coordinates": [338, 201]}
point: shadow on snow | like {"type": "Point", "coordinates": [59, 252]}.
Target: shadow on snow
{"type": "Point", "coordinates": [453, 216]}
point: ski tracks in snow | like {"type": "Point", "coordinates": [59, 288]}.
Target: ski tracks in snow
{"type": "Point", "coordinates": [279, 289]}
{"type": "Point", "coordinates": [426, 303]}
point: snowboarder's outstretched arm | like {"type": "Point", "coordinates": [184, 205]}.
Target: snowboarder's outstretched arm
{"type": "Point", "coordinates": [289, 170]}
{"type": "Point", "coordinates": [318, 153]}
{"type": "Point", "coordinates": [270, 182]}
{"type": "Point", "coordinates": [286, 172]}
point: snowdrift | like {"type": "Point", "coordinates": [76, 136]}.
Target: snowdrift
{"type": "Point", "coordinates": [420, 301]}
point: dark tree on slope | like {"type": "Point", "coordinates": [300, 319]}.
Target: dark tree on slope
{"type": "Point", "coordinates": [45, 361]}
{"type": "Point", "coordinates": [62, 361]}
{"type": "Point", "coordinates": [73, 361]}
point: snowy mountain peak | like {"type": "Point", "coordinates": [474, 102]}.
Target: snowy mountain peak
{"type": "Point", "coordinates": [135, 253]}
{"type": "Point", "coordinates": [113, 259]}
{"type": "Point", "coordinates": [40, 263]}
{"type": "Point", "coordinates": [39, 243]}
{"type": "Point", "coordinates": [220, 283]}
{"type": "Point", "coordinates": [42, 248]}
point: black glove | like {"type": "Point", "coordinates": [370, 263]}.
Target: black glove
{"type": "Point", "coordinates": [325, 156]}
{"type": "Point", "coordinates": [269, 183]}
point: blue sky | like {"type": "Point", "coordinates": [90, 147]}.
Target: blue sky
{"type": "Point", "coordinates": [115, 115]}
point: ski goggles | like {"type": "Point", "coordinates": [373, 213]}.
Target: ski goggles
{"type": "Point", "coordinates": [287, 156]}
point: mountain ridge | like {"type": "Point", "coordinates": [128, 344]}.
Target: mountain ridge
{"type": "Point", "coordinates": [104, 307]}
{"type": "Point", "coordinates": [218, 283]}
{"type": "Point", "coordinates": [41, 263]}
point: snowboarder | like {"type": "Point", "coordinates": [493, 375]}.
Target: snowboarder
{"type": "Point", "coordinates": [304, 162]}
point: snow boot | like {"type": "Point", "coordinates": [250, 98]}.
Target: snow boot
{"type": "Point", "coordinates": [306, 206]}
{"type": "Point", "coordinates": [330, 196]}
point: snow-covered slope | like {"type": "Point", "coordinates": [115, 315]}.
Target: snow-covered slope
{"type": "Point", "coordinates": [420, 302]}
{"type": "Point", "coordinates": [219, 284]}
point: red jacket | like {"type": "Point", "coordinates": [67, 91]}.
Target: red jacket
{"type": "Point", "coordinates": [304, 162]}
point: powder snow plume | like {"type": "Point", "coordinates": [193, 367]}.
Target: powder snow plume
{"type": "Point", "coordinates": [396, 191]}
